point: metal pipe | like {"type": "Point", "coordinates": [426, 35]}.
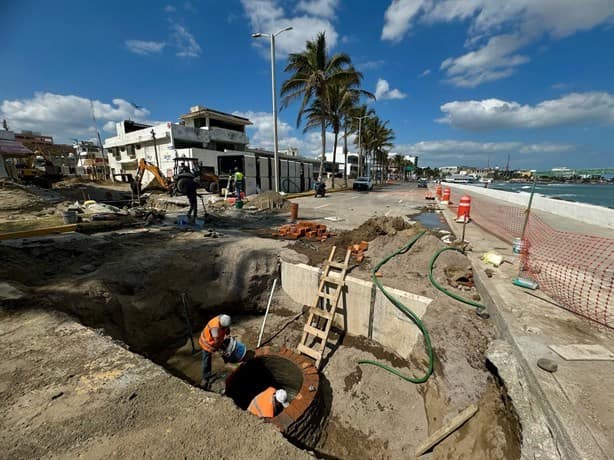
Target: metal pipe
{"type": "Point", "coordinates": [266, 313]}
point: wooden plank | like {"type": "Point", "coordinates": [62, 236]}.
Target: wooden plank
{"type": "Point", "coordinates": [38, 232]}
{"type": "Point", "coordinates": [337, 265]}
{"type": "Point", "coordinates": [333, 280]}
{"type": "Point", "coordinates": [314, 331]}
{"type": "Point", "coordinates": [323, 313]}
{"type": "Point", "coordinates": [308, 351]}
{"type": "Point", "coordinates": [447, 429]}
{"type": "Point", "coordinates": [326, 295]}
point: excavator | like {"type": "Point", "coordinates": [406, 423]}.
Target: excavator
{"type": "Point", "coordinates": [185, 168]}
{"type": "Point", "coordinates": [38, 169]}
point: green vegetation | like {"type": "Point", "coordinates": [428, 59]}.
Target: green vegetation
{"type": "Point", "coordinates": [328, 88]}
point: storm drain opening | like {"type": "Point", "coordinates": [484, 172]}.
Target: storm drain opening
{"type": "Point", "coordinates": [301, 421]}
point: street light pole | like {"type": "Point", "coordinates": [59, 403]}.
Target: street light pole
{"type": "Point", "coordinates": [274, 97]}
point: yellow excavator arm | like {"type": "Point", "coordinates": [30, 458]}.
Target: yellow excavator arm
{"type": "Point", "coordinates": [144, 166]}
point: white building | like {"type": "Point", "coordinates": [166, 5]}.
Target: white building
{"type": "Point", "coordinates": [203, 129]}
{"type": "Point", "coordinates": [351, 167]}
{"type": "Point", "coordinates": [91, 161]}
{"type": "Point", "coordinates": [217, 139]}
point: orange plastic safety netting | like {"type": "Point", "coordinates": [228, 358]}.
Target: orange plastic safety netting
{"type": "Point", "coordinates": [575, 269]}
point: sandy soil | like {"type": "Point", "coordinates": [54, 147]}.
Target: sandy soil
{"type": "Point", "coordinates": [131, 284]}
{"type": "Point", "coordinates": [68, 392]}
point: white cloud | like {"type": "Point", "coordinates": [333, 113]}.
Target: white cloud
{"type": "Point", "coordinates": [383, 91]}
{"type": "Point", "coordinates": [472, 152]}
{"type": "Point", "coordinates": [487, 114]}
{"type": "Point", "coordinates": [397, 19]}
{"type": "Point", "coordinates": [320, 8]}
{"type": "Point", "coordinates": [425, 73]}
{"type": "Point", "coordinates": [67, 116]}
{"type": "Point", "coordinates": [498, 29]}
{"type": "Point", "coordinates": [144, 47]}
{"type": "Point", "coordinates": [169, 9]}
{"type": "Point", "coordinates": [493, 61]}
{"type": "Point", "coordinates": [267, 16]}
{"type": "Point", "coordinates": [309, 144]}
{"type": "Point", "coordinates": [186, 44]}
{"type": "Point", "coordinates": [370, 65]}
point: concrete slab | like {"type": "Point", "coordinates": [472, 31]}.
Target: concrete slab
{"type": "Point", "coordinates": [582, 352]}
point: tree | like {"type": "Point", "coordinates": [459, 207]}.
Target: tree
{"type": "Point", "coordinates": [314, 73]}
{"type": "Point", "coordinates": [377, 139]}
{"type": "Point", "coordinates": [354, 113]}
{"type": "Point", "coordinates": [338, 103]}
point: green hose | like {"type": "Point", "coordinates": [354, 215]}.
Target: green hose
{"type": "Point", "coordinates": [480, 307]}
{"type": "Point", "coordinates": [410, 314]}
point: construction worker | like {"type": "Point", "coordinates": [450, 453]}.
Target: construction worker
{"type": "Point", "coordinates": [211, 340]}
{"type": "Point", "coordinates": [238, 178]}
{"type": "Point", "coordinates": [269, 403]}
{"type": "Point", "coordinates": [190, 192]}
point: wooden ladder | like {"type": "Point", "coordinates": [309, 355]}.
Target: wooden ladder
{"type": "Point", "coordinates": [320, 319]}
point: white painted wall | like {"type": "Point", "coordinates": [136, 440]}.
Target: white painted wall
{"type": "Point", "coordinates": [588, 213]}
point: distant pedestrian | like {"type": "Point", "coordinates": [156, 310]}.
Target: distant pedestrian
{"type": "Point", "coordinates": [211, 340]}
{"type": "Point", "coordinates": [189, 187]}
{"type": "Point", "coordinates": [238, 178]}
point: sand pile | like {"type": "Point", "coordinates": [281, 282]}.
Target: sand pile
{"type": "Point", "coordinates": [269, 200]}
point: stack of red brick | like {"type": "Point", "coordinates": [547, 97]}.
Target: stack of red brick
{"type": "Point", "coordinates": [358, 250]}
{"type": "Point", "coordinates": [304, 229]}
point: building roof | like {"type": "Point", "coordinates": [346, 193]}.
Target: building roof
{"type": "Point", "coordinates": [199, 112]}
{"type": "Point", "coordinates": [8, 147]}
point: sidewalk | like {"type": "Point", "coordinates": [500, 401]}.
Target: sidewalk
{"type": "Point", "coordinates": [565, 414]}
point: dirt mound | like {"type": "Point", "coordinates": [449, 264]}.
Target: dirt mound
{"type": "Point", "coordinates": [368, 231]}
{"type": "Point", "coordinates": [23, 198]}
{"type": "Point", "coordinates": [269, 200]}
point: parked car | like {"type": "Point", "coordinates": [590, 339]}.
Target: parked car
{"type": "Point", "coordinates": [363, 183]}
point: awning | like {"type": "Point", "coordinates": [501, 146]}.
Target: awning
{"type": "Point", "coordinates": [13, 148]}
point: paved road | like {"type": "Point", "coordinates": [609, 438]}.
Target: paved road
{"type": "Point", "coordinates": [352, 208]}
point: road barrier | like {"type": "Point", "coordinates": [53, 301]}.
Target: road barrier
{"type": "Point", "coordinates": [575, 269]}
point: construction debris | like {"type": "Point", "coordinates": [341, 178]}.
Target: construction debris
{"type": "Point", "coordinates": [358, 250]}
{"type": "Point", "coordinates": [304, 229]}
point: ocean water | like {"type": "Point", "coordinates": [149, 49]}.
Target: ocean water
{"type": "Point", "coordinates": [597, 194]}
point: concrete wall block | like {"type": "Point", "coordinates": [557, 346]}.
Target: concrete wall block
{"type": "Point", "coordinates": [355, 304]}
{"type": "Point", "coordinates": [391, 327]}
{"type": "Point", "coordinates": [300, 282]}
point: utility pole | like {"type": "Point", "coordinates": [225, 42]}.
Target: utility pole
{"type": "Point", "coordinates": [275, 141]}
{"type": "Point", "coordinates": [153, 136]}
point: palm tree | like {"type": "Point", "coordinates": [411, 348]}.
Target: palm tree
{"type": "Point", "coordinates": [354, 113]}
{"type": "Point", "coordinates": [314, 72]}
{"type": "Point", "coordinates": [340, 99]}
{"type": "Point", "coordinates": [377, 139]}
{"type": "Point", "coordinates": [399, 163]}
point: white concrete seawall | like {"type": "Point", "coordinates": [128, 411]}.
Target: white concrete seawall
{"type": "Point", "coordinates": [595, 215]}
{"type": "Point", "coordinates": [363, 309]}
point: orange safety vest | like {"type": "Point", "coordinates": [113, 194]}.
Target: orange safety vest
{"type": "Point", "coordinates": [207, 341]}
{"type": "Point", "coordinates": [263, 405]}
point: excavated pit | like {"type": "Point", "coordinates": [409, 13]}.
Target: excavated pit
{"type": "Point", "coordinates": [153, 292]}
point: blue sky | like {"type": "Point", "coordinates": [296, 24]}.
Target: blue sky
{"type": "Point", "coordinates": [460, 82]}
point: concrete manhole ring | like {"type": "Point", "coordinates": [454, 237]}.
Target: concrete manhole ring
{"type": "Point", "coordinates": [285, 369]}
